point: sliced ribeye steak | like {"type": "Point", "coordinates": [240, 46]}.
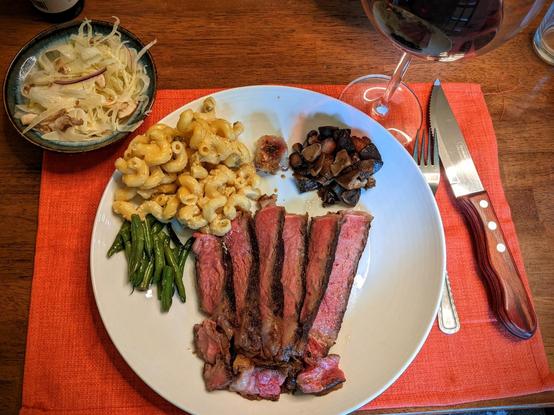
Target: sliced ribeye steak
{"type": "Point", "coordinates": [293, 279]}
{"type": "Point", "coordinates": [268, 225]}
{"type": "Point", "coordinates": [351, 241]}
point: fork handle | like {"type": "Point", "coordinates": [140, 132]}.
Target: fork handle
{"type": "Point", "coordinates": [509, 297]}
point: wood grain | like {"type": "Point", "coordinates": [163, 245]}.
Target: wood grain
{"type": "Point", "coordinates": [510, 301]}
{"type": "Point", "coordinates": [225, 44]}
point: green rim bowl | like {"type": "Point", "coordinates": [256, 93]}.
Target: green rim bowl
{"type": "Point", "coordinates": [19, 68]}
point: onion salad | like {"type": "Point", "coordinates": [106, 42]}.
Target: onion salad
{"type": "Point", "coordinates": [85, 88]}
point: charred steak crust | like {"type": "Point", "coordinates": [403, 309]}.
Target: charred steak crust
{"type": "Point", "coordinates": [276, 286]}
{"type": "Point", "coordinates": [239, 245]}
{"type": "Point", "coordinates": [308, 321]}
{"type": "Point", "coordinates": [248, 339]}
{"type": "Point", "coordinates": [228, 288]}
{"type": "Point", "coordinates": [304, 264]}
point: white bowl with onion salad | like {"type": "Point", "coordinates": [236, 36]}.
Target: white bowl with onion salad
{"type": "Point", "coordinates": [80, 86]}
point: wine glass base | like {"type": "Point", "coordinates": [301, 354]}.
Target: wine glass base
{"type": "Point", "coordinates": [402, 116]}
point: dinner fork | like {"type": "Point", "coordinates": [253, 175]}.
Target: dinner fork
{"type": "Point", "coordinates": [426, 156]}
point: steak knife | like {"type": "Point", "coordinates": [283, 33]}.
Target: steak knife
{"type": "Point", "coordinates": [496, 263]}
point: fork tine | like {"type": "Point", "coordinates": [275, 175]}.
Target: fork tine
{"type": "Point", "coordinates": [435, 147]}
{"type": "Point", "coordinates": [421, 150]}
{"type": "Point", "coordinates": [429, 148]}
{"type": "Point", "coordinates": [415, 155]}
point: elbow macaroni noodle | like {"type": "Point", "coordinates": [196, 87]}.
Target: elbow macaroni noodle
{"type": "Point", "coordinates": [198, 172]}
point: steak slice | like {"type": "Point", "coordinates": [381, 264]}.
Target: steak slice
{"type": "Point", "coordinates": [210, 270]}
{"type": "Point", "coordinates": [248, 336]}
{"type": "Point", "coordinates": [268, 225]}
{"type": "Point", "coordinates": [354, 229]}
{"type": "Point", "coordinates": [321, 253]}
{"type": "Point", "coordinates": [321, 378]}
{"type": "Point", "coordinates": [217, 376]}
{"type": "Point", "coordinates": [213, 346]}
{"type": "Point", "coordinates": [239, 244]}
{"type": "Point", "coordinates": [256, 382]}
{"type": "Point", "coordinates": [292, 279]}
{"type": "Point", "coordinates": [209, 343]}
{"type": "Point", "coordinates": [214, 281]}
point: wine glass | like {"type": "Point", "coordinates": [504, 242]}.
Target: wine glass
{"type": "Point", "coordinates": [436, 30]}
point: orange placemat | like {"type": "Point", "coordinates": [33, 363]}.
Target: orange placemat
{"type": "Point", "coordinates": [72, 367]}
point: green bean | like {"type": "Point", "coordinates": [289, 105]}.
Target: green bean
{"type": "Point", "coordinates": [189, 242]}
{"type": "Point", "coordinates": [125, 231]}
{"type": "Point", "coordinates": [147, 277]}
{"type": "Point", "coordinates": [159, 258]}
{"type": "Point", "coordinates": [163, 236]}
{"type": "Point", "coordinates": [178, 277]}
{"type": "Point", "coordinates": [119, 243]}
{"type": "Point", "coordinates": [137, 235]}
{"type": "Point", "coordinates": [157, 227]}
{"type": "Point", "coordinates": [167, 288]}
{"type": "Point", "coordinates": [177, 252]}
{"type": "Point", "coordinates": [185, 253]}
{"type": "Point", "coordinates": [128, 250]}
{"type": "Point", "coordinates": [138, 276]}
{"type": "Point", "coordinates": [148, 242]}
{"type": "Point", "coordinates": [173, 235]}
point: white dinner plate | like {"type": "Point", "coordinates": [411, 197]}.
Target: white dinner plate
{"type": "Point", "coordinates": [395, 295]}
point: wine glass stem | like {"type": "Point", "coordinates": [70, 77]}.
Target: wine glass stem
{"type": "Point", "coordinates": [380, 107]}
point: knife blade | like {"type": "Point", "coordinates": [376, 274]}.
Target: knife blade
{"type": "Point", "coordinates": [510, 300]}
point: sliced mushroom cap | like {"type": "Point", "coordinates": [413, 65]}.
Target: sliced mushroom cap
{"type": "Point", "coordinates": [342, 160]}
{"type": "Point", "coordinates": [344, 141]}
{"type": "Point", "coordinates": [360, 142]}
{"type": "Point", "coordinates": [350, 197]}
{"type": "Point", "coordinates": [369, 167]}
{"type": "Point", "coordinates": [317, 166]}
{"type": "Point", "coordinates": [312, 133]}
{"type": "Point", "coordinates": [295, 161]}
{"type": "Point", "coordinates": [311, 138]}
{"type": "Point", "coordinates": [325, 174]}
{"type": "Point", "coordinates": [370, 152]}
{"type": "Point", "coordinates": [64, 122]}
{"type": "Point", "coordinates": [297, 147]}
{"type": "Point", "coordinates": [351, 180]}
{"type": "Point", "coordinates": [311, 152]}
{"type": "Point", "coordinates": [340, 131]}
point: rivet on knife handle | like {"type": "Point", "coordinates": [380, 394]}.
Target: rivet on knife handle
{"type": "Point", "coordinates": [496, 263]}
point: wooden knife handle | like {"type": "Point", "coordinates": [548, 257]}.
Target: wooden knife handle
{"type": "Point", "coordinates": [510, 300]}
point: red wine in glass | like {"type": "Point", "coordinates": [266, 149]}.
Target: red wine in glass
{"type": "Point", "coordinates": [443, 30]}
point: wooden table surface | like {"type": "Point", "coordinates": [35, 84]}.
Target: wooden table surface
{"type": "Point", "coordinates": [226, 44]}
